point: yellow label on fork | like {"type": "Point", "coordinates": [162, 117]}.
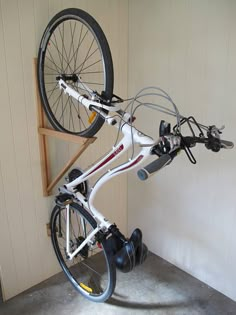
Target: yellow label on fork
{"type": "Point", "coordinates": [92, 117]}
{"type": "Point", "coordinates": [86, 288]}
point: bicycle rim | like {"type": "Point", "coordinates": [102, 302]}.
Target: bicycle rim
{"type": "Point", "coordinates": [91, 271]}
{"type": "Point", "coordinates": [74, 48]}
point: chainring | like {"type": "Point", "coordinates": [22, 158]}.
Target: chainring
{"type": "Point", "coordinates": [83, 188]}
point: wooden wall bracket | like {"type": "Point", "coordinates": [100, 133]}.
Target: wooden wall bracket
{"type": "Point", "coordinates": [44, 132]}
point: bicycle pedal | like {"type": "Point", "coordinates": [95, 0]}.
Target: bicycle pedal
{"type": "Point", "coordinates": [63, 199]}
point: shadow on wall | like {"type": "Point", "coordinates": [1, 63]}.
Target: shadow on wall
{"type": "Point", "coordinates": [1, 298]}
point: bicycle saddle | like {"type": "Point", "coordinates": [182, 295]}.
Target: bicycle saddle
{"type": "Point", "coordinates": [133, 252]}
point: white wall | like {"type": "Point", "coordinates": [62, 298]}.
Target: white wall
{"type": "Point", "coordinates": [26, 255]}
{"type": "Point", "coordinates": [188, 213]}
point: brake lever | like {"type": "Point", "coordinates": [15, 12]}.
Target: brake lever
{"type": "Point", "coordinates": [166, 144]}
{"type": "Point", "coordinates": [226, 144]}
{"type": "Point", "coordinates": [215, 143]}
{"type": "Point", "coordinates": [215, 132]}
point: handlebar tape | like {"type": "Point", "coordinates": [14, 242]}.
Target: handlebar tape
{"type": "Point", "coordinates": [154, 166]}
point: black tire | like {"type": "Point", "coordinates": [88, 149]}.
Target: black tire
{"type": "Point", "coordinates": [84, 47]}
{"type": "Point", "coordinates": [95, 284]}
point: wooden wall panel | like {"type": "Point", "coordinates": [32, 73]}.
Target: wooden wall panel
{"type": "Point", "coordinates": [26, 255]}
{"type": "Point", "coordinates": [10, 159]}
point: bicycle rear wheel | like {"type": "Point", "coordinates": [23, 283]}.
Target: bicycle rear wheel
{"type": "Point", "coordinates": [92, 271]}
{"type": "Point", "coordinates": [74, 48]}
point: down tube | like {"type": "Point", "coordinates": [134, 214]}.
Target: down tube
{"type": "Point", "coordinates": [140, 158]}
{"type": "Point", "coordinates": [114, 154]}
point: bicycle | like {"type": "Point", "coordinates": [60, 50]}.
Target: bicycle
{"type": "Point", "coordinates": [75, 78]}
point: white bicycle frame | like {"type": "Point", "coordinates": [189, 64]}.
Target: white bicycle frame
{"type": "Point", "coordinates": [131, 136]}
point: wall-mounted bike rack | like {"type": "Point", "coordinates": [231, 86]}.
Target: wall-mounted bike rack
{"type": "Point", "coordinates": [47, 183]}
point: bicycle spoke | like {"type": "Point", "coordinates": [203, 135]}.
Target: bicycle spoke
{"type": "Point", "coordinates": [63, 110]}
{"type": "Point", "coordinates": [57, 50]}
{"type": "Point", "coordinates": [72, 104]}
{"type": "Point", "coordinates": [71, 120]}
{"type": "Point", "coordinates": [52, 90]}
{"type": "Point", "coordinates": [92, 269]}
{"type": "Point", "coordinates": [72, 39]}
{"type": "Point", "coordinates": [86, 60]}
{"type": "Point", "coordinates": [61, 54]}
{"type": "Point", "coordinates": [50, 68]}
{"type": "Point", "coordinates": [77, 50]}
{"type": "Point", "coordinates": [53, 82]}
{"type": "Point", "coordinates": [86, 57]}
{"type": "Point", "coordinates": [51, 74]}
{"type": "Point", "coordinates": [63, 47]}
{"type": "Point", "coordinates": [53, 62]}
{"type": "Point", "coordinates": [91, 72]}
{"type": "Point", "coordinates": [94, 83]}
{"type": "Point", "coordinates": [93, 64]}
{"type": "Point", "coordinates": [78, 113]}
{"type": "Point", "coordinates": [57, 101]}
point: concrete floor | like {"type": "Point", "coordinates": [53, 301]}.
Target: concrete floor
{"type": "Point", "coordinates": [156, 287]}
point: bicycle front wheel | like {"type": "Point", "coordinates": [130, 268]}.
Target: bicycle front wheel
{"type": "Point", "coordinates": [92, 271]}
{"type": "Point", "coordinates": [74, 48]}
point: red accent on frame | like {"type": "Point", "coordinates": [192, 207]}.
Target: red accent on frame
{"type": "Point", "coordinates": [109, 158]}
{"type": "Point", "coordinates": [139, 158]}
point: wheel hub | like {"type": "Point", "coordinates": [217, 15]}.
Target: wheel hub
{"type": "Point", "coordinates": [68, 77]}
